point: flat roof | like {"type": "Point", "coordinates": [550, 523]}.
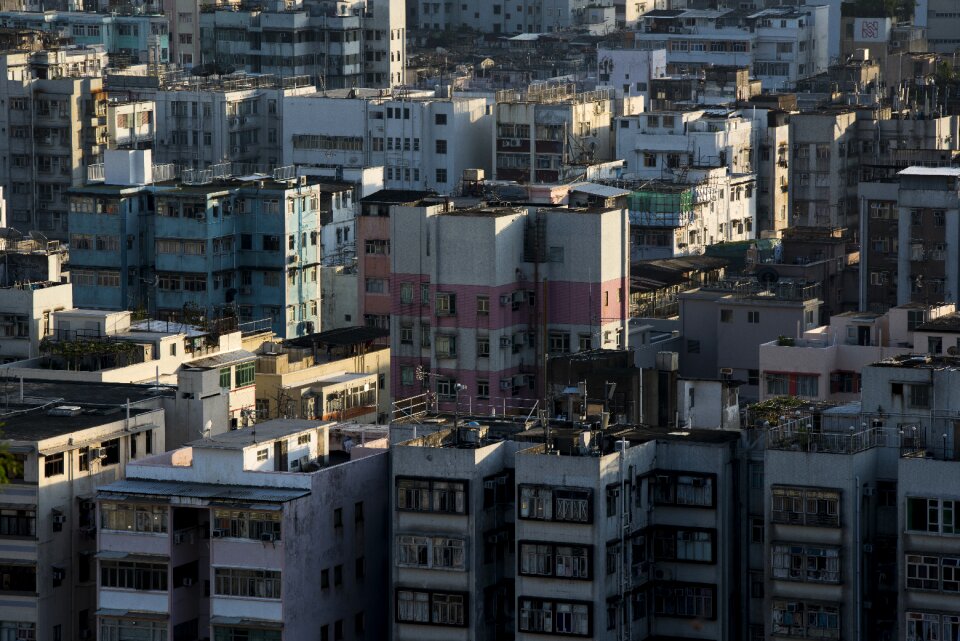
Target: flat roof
{"type": "Point", "coordinates": [946, 323]}
{"type": "Point", "coordinates": [219, 360]}
{"type": "Point", "coordinates": [212, 491]}
{"type": "Point", "coordinates": [37, 425]}
{"type": "Point", "coordinates": [339, 337]}
{"type": "Point", "coordinates": [261, 432]}
{"type": "Point", "coordinates": [930, 171]}
{"type": "Point", "coordinates": [397, 196]}
{"type": "Point", "coordinates": [39, 391]}
{"type": "Point", "coordinates": [596, 189]}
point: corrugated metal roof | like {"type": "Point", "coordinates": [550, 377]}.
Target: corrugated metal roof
{"type": "Point", "coordinates": [604, 191]}
{"type": "Point", "coordinates": [226, 358]}
{"type": "Point", "coordinates": [211, 491]}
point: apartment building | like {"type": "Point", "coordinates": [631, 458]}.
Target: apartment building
{"type": "Point", "coordinates": [781, 44]}
{"type": "Point", "coordinates": [340, 374]}
{"type": "Point", "coordinates": [823, 168]}
{"type": "Point", "coordinates": [66, 451]}
{"type": "Point", "coordinates": [424, 140]}
{"type": "Point", "coordinates": [337, 44]}
{"type": "Point", "coordinates": [630, 71]}
{"type": "Point", "coordinates": [131, 124]}
{"type": "Point", "coordinates": [32, 286]}
{"type": "Point", "coordinates": [483, 296]}
{"type": "Point", "coordinates": [695, 181]}
{"type": "Point", "coordinates": [826, 255]}
{"type": "Point", "coordinates": [53, 103]}
{"type": "Point", "coordinates": [771, 127]}
{"type": "Point", "coordinates": [267, 533]}
{"type": "Point", "coordinates": [127, 39]}
{"type": "Point", "coordinates": [549, 130]}
{"type": "Point", "coordinates": [825, 364]}
{"type": "Point", "coordinates": [723, 323]}
{"type": "Point", "coordinates": [207, 121]}
{"type": "Point", "coordinates": [373, 234]}
{"type": "Point", "coordinates": [505, 533]}
{"type": "Point", "coordinates": [539, 16]}
{"type": "Point", "coordinates": [942, 21]}
{"type": "Point", "coordinates": [246, 244]}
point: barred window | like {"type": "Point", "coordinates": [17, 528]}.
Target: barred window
{"type": "Point", "coordinates": [132, 575]}
{"type": "Point", "coordinates": [243, 524]}
{"type": "Point", "coordinates": [259, 584]}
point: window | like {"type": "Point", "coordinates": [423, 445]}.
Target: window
{"type": "Point", "coordinates": [437, 608]}
{"type": "Point", "coordinates": [446, 304]}
{"type": "Point", "coordinates": [429, 495]}
{"type": "Point", "coordinates": [695, 546]}
{"type": "Point", "coordinates": [800, 619]}
{"type": "Point", "coordinates": [441, 147]}
{"type": "Point", "coordinates": [683, 601]}
{"type": "Point", "coordinates": [756, 530]}
{"type": "Point", "coordinates": [693, 347]}
{"type": "Point", "coordinates": [225, 377]}
{"type": "Point", "coordinates": [53, 465]}
{"type": "Point", "coordinates": [377, 247]}
{"type": "Point", "coordinates": [446, 347]}
{"type": "Point", "coordinates": [263, 455]}
{"type": "Point", "coordinates": [483, 346]}
{"type": "Point", "coordinates": [483, 389]}
{"type": "Point", "coordinates": [919, 396]}
{"type": "Point", "coordinates": [806, 506]}
{"type": "Point", "coordinates": [246, 524]}
{"type": "Point", "coordinates": [375, 285]}
{"type": "Point", "coordinates": [406, 333]}
{"type": "Point", "coordinates": [21, 630]}
{"type": "Point", "coordinates": [559, 342]}
{"type": "Point", "coordinates": [923, 572]}
{"type": "Point", "coordinates": [338, 575]}
{"type": "Point", "coordinates": [548, 504]}
{"type": "Point", "coordinates": [406, 293]}
{"type": "Point", "coordinates": [245, 374]}
{"type": "Point", "coordinates": [338, 517]}
{"type": "Point", "coordinates": [682, 490]}
{"type": "Point", "coordinates": [726, 315]}
{"type": "Point", "coordinates": [933, 516]}
{"type": "Point", "coordinates": [483, 305]}
{"type": "Point", "coordinates": [441, 176]}
{"type": "Point", "coordinates": [811, 564]}
{"type": "Point", "coordinates": [753, 317]}
{"type": "Point", "coordinates": [18, 523]}
{"type": "Point", "coordinates": [259, 584]}
{"type": "Point", "coordinates": [440, 119]}
{"type": "Point", "coordinates": [548, 559]}
{"type": "Point", "coordinates": [134, 517]}
{"type": "Point", "coordinates": [130, 575]}
{"type": "Point", "coordinates": [554, 617]}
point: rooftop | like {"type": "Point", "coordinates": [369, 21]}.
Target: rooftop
{"type": "Point", "coordinates": [397, 196]}
{"type": "Point", "coordinates": [259, 433]}
{"type": "Point", "coordinates": [219, 360]}
{"type": "Point", "coordinates": [946, 323]}
{"type": "Point", "coordinates": [343, 336]}
{"type": "Point", "coordinates": [228, 494]}
{"type": "Point", "coordinates": [953, 172]}
{"type": "Point", "coordinates": [36, 423]}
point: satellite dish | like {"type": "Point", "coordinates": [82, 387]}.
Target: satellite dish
{"type": "Point", "coordinates": [952, 350]}
{"type": "Point", "coordinates": [767, 276]}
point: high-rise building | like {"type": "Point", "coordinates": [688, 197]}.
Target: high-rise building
{"type": "Point", "coordinates": [482, 297]}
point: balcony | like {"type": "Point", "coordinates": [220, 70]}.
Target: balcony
{"type": "Point", "coordinates": [801, 436]}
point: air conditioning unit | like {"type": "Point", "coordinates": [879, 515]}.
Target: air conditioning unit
{"type": "Point", "coordinates": [726, 371]}
{"type": "Point", "coordinates": [869, 491]}
{"type": "Point", "coordinates": [235, 150]}
{"type": "Point", "coordinates": [505, 384]}
{"type": "Point", "coordinates": [293, 259]}
{"type": "Point", "coordinates": [504, 299]}
{"type": "Point", "coordinates": [59, 519]}
{"type": "Point", "coordinates": [505, 342]}
{"type": "Point", "coordinates": [663, 575]}
{"type": "Point", "coordinates": [268, 537]}
{"type": "Point", "coordinates": [187, 582]}
{"type": "Point", "coordinates": [59, 574]}
{"type": "Point", "coordinates": [179, 538]}
{"type": "Point", "coordinates": [96, 453]}
{"type": "Point", "coordinates": [219, 533]}
{"type": "Point", "coordinates": [303, 181]}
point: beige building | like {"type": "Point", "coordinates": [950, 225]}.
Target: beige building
{"type": "Point", "coordinates": [54, 118]}
{"type": "Point", "coordinates": [68, 449]}
{"type": "Point", "coordinates": [338, 375]}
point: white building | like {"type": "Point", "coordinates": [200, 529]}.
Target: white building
{"type": "Point", "coordinates": [696, 184]}
{"type": "Point", "coordinates": [781, 44]}
{"type": "Point", "coordinates": [268, 533]}
{"type": "Point", "coordinates": [32, 288]}
{"type": "Point", "coordinates": [201, 122]}
{"type": "Point", "coordinates": [423, 142]}
{"type": "Point", "coordinates": [629, 71]}
{"type": "Point", "coordinates": [67, 450]}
